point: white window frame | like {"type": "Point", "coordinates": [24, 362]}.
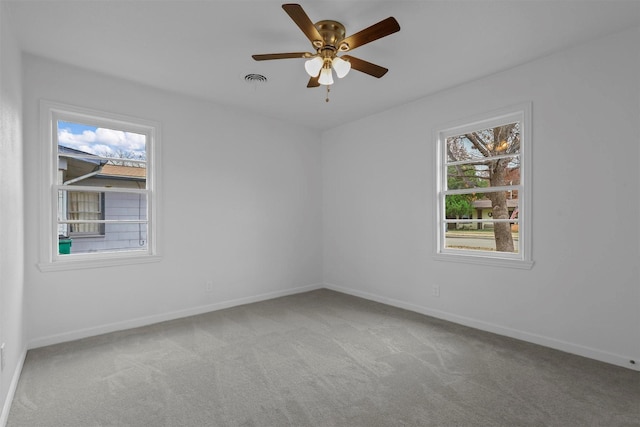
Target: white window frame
{"type": "Point", "coordinates": [49, 259]}
{"type": "Point", "coordinates": [522, 259]}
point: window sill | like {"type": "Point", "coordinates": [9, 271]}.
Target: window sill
{"type": "Point", "coordinates": [79, 264]}
{"type": "Point", "coordinates": [485, 260]}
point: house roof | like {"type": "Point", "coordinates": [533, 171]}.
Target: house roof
{"type": "Point", "coordinates": [86, 167]}
{"type": "Point", "coordinates": [119, 171]}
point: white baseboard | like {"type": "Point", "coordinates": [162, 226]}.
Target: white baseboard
{"type": "Point", "coordinates": [149, 320]}
{"type": "Point", "coordinates": [4, 415]}
{"type": "Point", "coordinates": [567, 347]}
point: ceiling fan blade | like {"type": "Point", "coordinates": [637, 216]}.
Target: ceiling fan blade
{"type": "Point", "coordinates": [313, 81]}
{"type": "Point", "coordinates": [301, 19]}
{"type": "Point", "coordinates": [267, 56]}
{"type": "Point", "coordinates": [365, 67]}
{"type": "Point", "coordinates": [372, 33]}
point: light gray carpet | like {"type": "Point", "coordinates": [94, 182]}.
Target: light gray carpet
{"type": "Point", "coordinates": [317, 359]}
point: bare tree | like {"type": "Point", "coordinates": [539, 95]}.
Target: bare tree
{"type": "Point", "coordinates": [503, 140]}
{"type": "Point", "coordinates": [500, 147]}
{"type": "Point", "coordinates": [124, 155]}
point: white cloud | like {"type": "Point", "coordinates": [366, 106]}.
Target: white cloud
{"type": "Point", "coordinates": [103, 141]}
{"type": "Point", "coordinates": [66, 137]}
{"type": "Point", "coordinates": [110, 137]}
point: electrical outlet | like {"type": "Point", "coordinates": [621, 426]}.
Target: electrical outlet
{"type": "Point", "coordinates": [435, 291]}
{"type": "Point", "coordinates": [2, 357]}
{"type": "Point", "coordinates": [208, 286]}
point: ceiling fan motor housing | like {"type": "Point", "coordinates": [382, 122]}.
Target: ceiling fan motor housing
{"type": "Point", "coordinates": [332, 33]}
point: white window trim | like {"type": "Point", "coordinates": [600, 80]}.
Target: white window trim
{"type": "Point", "coordinates": [49, 260]}
{"type": "Point", "coordinates": [523, 259]}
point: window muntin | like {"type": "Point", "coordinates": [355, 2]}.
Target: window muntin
{"type": "Point", "coordinates": [483, 190]}
{"type": "Point", "coordinates": [102, 188]}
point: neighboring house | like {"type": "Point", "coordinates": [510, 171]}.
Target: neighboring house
{"type": "Point", "coordinates": [483, 210]}
{"type": "Point", "coordinates": [92, 205]}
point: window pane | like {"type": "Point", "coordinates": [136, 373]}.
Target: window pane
{"type": "Point", "coordinates": [117, 237]}
{"type": "Point", "coordinates": [470, 222]}
{"type": "Point", "coordinates": [491, 173]}
{"type": "Point", "coordinates": [88, 237]}
{"type": "Point", "coordinates": [484, 143]}
{"type": "Point", "coordinates": [481, 205]}
{"type": "Point", "coordinates": [97, 156]}
{"type": "Point", "coordinates": [482, 239]}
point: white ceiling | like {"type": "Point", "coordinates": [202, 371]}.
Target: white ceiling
{"type": "Point", "coordinates": [203, 48]}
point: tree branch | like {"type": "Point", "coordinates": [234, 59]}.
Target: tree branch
{"type": "Point", "coordinates": [478, 143]}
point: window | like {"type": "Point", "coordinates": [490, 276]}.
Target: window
{"type": "Point", "coordinates": [483, 187]}
{"type": "Point", "coordinates": [83, 205]}
{"type": "Point", "coordinates": [100, 188]}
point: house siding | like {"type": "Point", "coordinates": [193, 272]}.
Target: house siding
{"type": "Point", "coordinates": [118, 206]}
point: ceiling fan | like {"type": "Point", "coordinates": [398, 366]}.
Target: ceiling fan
{"type": "Point", "coordinates": [328, 39]}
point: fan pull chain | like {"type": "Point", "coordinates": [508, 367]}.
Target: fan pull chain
{"type": "Point", "coordinates": [327, 98]}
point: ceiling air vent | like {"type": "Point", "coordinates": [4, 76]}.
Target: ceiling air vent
{"type": "Point", "coordinates": [255, 78]}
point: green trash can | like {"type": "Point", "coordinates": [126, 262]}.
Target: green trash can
{"type": "Point", "coordinates": [64, 246]}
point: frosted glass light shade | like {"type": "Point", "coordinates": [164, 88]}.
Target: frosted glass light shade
{"type": "Point", "coordinates": [341, 66]}
{"type": "Point", "coordinates": [326, 78]}
{"type": "Point", "coordinates": [313, 66]}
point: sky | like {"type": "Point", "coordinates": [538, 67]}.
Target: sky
{"type": "Point", "coordinates": [101, 141]}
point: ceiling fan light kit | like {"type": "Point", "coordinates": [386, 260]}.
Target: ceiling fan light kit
{"type": "Point", "coordinates": [313, 66]}
{"type": "Point", "coordinates": [326, 78]}
{"type": "Point", "coordinates": [341, 66]}
{"type": "Point", "coordinates": [328, 39]}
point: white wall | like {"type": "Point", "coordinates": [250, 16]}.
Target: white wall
{"type": "Point", "coordinates": [11, 214]}
{"type": "Point", "coordinates": [583, 293]}
{"type": "Point", "coordinates": [243, 197]}
{"type": "Point", "coordinates": [241, 208]}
